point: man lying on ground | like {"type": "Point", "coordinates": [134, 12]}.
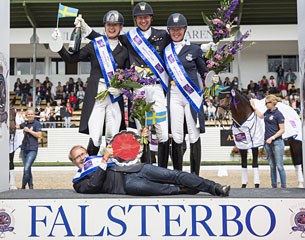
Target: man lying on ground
{"type": "Point", "coordinates": [99, 174]}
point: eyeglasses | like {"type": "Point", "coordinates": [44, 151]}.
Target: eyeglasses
{"type": "Point", "coordinates": [267, 103]}
{"type": "Point", "coordinates": [80, 156]}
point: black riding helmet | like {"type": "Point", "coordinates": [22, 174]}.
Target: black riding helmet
{"type": "Point", "coordinates": [176, 20]}
{"type": "Point", "coordinates": [113, 17]}
{"type": "Point", "coordinates": [142, 8]}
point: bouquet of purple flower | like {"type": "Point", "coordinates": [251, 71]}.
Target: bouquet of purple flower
{"type": "Point", "coordinates": [146, 76]}
{"type": "Point", "coordinates": [219, 60]}
{"type": "Point", "coordinates": [122, 79]}
{"type": "Point", "coordinates": [221, 27]}
{"type": "Point", "coordinates": [220, 23]}
{"type": "Point", "coordinates": [138, 110]}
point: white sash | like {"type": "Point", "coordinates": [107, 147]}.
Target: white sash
{"type": "Point", "coordinates": [149, 55]}
{"type": "Point", "coordinates": [176, 70]}
{"type": "Point", "coordinates": [105, 58]}
{"type": "Point", "coordinates": [90, 165]}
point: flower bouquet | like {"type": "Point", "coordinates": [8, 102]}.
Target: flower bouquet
{"type": "Point", "coordinates": [219, 60]}
{"type": "Point", "coordinates": [221, 27]}
{"type": "Point", "coordinates": [220, 23]}
{"type": "Point", "coordinates": [138, 111]}
{"type": "Point", "coordinates": [148, 79]}
{"type": "Point", "coordinates": [121, 79]}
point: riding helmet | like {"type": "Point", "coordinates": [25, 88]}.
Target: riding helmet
{"type": "Point", "coordinates": [142, 8]}
{"type": "Point", "coordinates": [113, 16]}
{"type": "Point", "coordinates": [176, 20]}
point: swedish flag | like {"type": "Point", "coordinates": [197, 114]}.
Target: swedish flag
{"type": "Point", "coordinates": [153, 117]}
{"type": "Point", "coordinates": [64, 11]}
{"type": "Point", "coordinates": [213, 90]}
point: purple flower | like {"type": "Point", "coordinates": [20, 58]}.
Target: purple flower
{"type": "Point", "coordinates": [216, 21]}
{"type": "Point", "coordinates": [127, 93]}
{"type": "Point", "coordinates": [134, 78]}
{"type": "Point", "coordinates": [121, 77]}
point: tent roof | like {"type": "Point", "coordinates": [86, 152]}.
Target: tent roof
{"type": "Point", "coordinates": [43, 13]}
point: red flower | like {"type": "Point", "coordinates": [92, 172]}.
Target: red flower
{"type": "Point", "coordinates": [125, 146]}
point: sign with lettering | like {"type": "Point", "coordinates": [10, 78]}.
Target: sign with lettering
{"type": "Point", "coordinates": [226, 138]}
{"type": "Point", "coordinates": [136, 218]}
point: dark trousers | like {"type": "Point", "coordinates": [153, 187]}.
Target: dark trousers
{"type": "Point", "coordinates": [153, 180]}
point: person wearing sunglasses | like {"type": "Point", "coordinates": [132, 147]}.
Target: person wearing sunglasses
{"type": "Point", "coordinates": [274, 143]}
{"type": "Point", "coordinates": [100, 174]}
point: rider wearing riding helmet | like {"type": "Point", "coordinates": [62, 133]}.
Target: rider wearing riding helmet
{"type": "Point", "coordinates": [184, 61]}
{"type": "Point", "coordinates": [154, 42]}
{"type": "Point", "coordinates": [109, 111]}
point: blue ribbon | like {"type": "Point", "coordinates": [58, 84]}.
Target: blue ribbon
{"type": "Point", "coordinates": [90, 170]}
{"type": "Point", "coordinates": [186, 76]}
{"type": "Point", "coordinates": [233, 94]}
{"type": "Point", "coordinates": [144, 58]}
{"type": "Point", "coordinates": [106, 77]}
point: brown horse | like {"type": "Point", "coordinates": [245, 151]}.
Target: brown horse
{"type": "Point", "coordinates": [239, 106]}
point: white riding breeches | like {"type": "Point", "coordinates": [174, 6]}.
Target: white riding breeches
{"type": "Point", "coordinates": [104, 112]}
{"type": "Point", "coordinates": [180, 108]}
{"type": "Point", "coordinates": [154, 93]}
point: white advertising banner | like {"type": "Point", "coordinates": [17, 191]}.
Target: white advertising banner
{"type": "Point", "coordinates": [153, 218]}
{"type": "Point", "coordinates": [4, 93]}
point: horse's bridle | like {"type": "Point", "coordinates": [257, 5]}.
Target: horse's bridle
{"type": "Point", "coordinates": [228, 106]}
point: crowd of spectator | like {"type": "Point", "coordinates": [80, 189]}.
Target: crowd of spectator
{"type": "Point", "coordinates": [60, 100]}
{"type": "Point", "coordinates": [283, 85]}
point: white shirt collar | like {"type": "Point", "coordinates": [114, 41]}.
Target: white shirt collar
{"type": "Point", "coordinates": [147, 33]}
{"type": "Point", "coordinates": [113, 43]}
{"type": "Point", "coordinates": [183, 42]}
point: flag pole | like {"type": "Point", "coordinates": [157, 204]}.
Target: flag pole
{"type": "Point", "coordinates": [57, 22]}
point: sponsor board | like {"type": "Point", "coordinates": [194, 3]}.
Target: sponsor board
{"type": "Point", "coordinates": [153, 218]}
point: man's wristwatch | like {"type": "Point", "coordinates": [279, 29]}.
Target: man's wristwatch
{"type": "Point", "coordinates": [273, 138]}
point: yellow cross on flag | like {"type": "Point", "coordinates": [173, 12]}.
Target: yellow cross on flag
{"type": "Point", "coordinates": [64, 11]}
{"type": "Point", "coordinates": [153, 117]}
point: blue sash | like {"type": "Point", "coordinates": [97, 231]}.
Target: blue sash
{"type": "Point", "coordinates": [176, 70]}
{"type": "Point", "coordinates": [105, 58]}
{"type": "Point", "coordinates": [90, 165]}
{"type": "Point", "coordinates": [149, 55]}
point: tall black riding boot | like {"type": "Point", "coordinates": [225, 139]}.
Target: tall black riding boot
{"type": "Point", "coordinates": [177, 155]}
{"type": "Point", "coordinates": [91, 149]}
{"type": "Point", "coordinates": [163, 154]}
{"type": "Point", "coordinates": [195, 158]}
{"type": "Point", "coordinates": [145, 158]}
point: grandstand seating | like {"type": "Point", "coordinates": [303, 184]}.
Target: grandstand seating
{"type": "Point", "coordinates": [74, 120]}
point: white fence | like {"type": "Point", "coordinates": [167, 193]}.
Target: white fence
{"type": "Point", "coordinates": [60, 141]}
